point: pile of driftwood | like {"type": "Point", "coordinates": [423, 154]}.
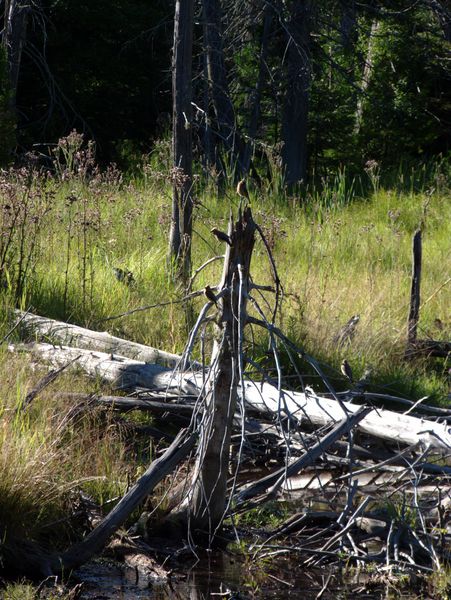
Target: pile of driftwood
{"type": "Point", "coordinates": [375, 484]}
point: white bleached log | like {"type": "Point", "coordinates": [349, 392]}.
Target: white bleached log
{"type": "Point", "coordinates": [308, 406]}
{"type": "Point", "coordinates": [42, 328]}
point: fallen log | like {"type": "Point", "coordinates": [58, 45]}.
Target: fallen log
{"type": "Point", "coordinates": [263, 398]}
{"type": "Point", "coordinates": [276, 479]}
{"type": "Point", "coordinates": [41, 328]}
{"type": "Point", "coordinates": [95, 541]}
{"type": "Point", "coordinates": [126, 404]}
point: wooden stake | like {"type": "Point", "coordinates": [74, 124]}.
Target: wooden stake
{"type": "Point", "coordinates": [414, 310]}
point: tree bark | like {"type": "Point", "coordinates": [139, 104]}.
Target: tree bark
{"type": "Point", "coordinates": [367, 73]}
{"type": "Point", "coordinates": [295, 118]}
{"type": "Point", "coordinates": [208, 496]}
{"type": "Point", "coordinates": [348, 25]}
{"type": "Point", "coordinates": [414, 309]}
{"type": "Point", "coordinates": [255, 99]}
{"type": "Point", "coordinates": [14, 35]}
{"type": "Point", "coordinates": [227, 133]}
{"type": "Point", "coordinates": [182, 203]}
{"type": "Point", "coordinates": [36, 327]}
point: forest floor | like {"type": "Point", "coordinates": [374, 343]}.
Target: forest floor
{"type": "Point", "coordinates": [86, 250]}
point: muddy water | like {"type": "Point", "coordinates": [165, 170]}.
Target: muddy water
{"type": "Point", "coordinates": [221, 575]}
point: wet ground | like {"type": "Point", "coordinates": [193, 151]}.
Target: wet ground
{"type": "Point", "coordinates": [221, 575]}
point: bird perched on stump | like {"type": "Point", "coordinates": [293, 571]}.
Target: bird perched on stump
{"type": "Point", "coordinates": [209, 294]}
{"type": "Point", "coordinates": [346, 370]}
{"type": "Point", "coordinates": [222, 237]}
{"type": "Point", "coordinates": [241, 189]}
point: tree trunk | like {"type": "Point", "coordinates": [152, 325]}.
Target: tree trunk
{"type": "Point", "coordinates": [182, 204]}
{"type": "Point", "coordinates": [414, 308]}
{"type": "Point", "coordinates": [208, 496]}
{"type": "Point", "coordinates": [348, 25]}
{"type": "Point", "coordinates": [255, 99]}
{"type": "Point", "coordinates": [35, 327]}
{"type": "Point", "coordinates": [14, 34]}
{"type": "Point", "coordinates": [227, 133]}
{"type": "Point", "coordinates": [295, 118]}
{"type": "Point", "coordinates": [443, 14]}
{"type": "Point", "coordinates": [366, 76]}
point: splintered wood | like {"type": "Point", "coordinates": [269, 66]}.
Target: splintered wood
{"type": "Point", "coordinates": [375, 484]}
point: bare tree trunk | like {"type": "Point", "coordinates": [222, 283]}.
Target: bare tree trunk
{"type": "Point", "coordinates": [217, 78]}
{"type": "Point", "coordinates": [209, 154]}
{"type": "Point", "coordinates": [182, 204]}
{"type": "Point", "coordinates": [442, 12]}
{"type": "Point", "coordinates": [348, 25]}
{"type": "Point", "coordinates": [295, 118]}
{"type": "Point", "coordinates": [14, 34]}
{"type": "Point", "coordinates": [366, 77]}
{"type": "Point", "coordinates": [208, 496]}
{"type": "Point", "coordinates": [255, 99]}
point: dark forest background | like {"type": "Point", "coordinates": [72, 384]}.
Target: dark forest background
{"type": "Point", "coordinates": [329, 83]}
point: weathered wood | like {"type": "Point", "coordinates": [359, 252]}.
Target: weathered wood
{"type": "Point", "coordinates": [96, 540]}
{"type": "Point", "coordinates": [414, 309]}
{"type": "Point", "coordinates": [182, 147]}
{"type": "Point", "coordinates": [42, 328]}
{"type": "Point", "coordinates": [125, 403]}
{"type": "Point", "coordinates": [208, 494]}
{"type": "Point", "coordinates": [278, 477]}
{"type": "Point", "coordinates": [262, 398]}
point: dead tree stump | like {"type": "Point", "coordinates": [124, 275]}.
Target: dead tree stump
{"type": "Point", "coordinates": [206, 502]}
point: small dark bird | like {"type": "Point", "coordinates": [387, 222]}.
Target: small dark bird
{"type": "Point", "coordinates": [241, 189]}
{"type": "Point", "coordinates": [124, 275]}
{"type": "Point", "coordinates": [439, 324]}
{"type": "Point", "coordinates": [222, 237]}
{"type": "Point", "coordinates": [346, 370]}
{"type": "Point", "coordinates": [209, 294]}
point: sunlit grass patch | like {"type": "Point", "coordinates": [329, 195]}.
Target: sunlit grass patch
{"type": "Point", "coordinates": [48, 452]}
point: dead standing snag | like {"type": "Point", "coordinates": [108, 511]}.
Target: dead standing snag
{"type": "Point", "coordinates": [207, 498]}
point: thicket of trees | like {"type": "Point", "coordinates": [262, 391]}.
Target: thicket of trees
{"type": "Point", "coordinates": [297, 84]}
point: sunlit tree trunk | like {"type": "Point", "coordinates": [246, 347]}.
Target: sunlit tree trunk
{"type": "Point", "coordinates": [182, 204]}
{"type": "Point", "coordinates": [367, 73]}
{"type": "Point", "coordinates": [208, 497]}
{"type": "Point", "coordinates": [16, 13]}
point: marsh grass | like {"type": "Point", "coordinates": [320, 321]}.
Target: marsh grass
{"type": "Point", "coordinates": [48, 453]}
{"type": "Point", "coordinates": [339, 252]}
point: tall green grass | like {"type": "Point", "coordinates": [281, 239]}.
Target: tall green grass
{"type": "Point", "coordinates": [342, 247]}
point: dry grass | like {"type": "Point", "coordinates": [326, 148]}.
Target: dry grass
{"type": "Point", "coordinates": [336, 259]}
{"type": "Point", "coordinates": [48, 454]}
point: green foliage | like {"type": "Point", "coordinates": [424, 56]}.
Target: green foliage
{"type": "Point", "coordinates": [403, 106]}
{"type": "Point", "coordinates": [104, 67]}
